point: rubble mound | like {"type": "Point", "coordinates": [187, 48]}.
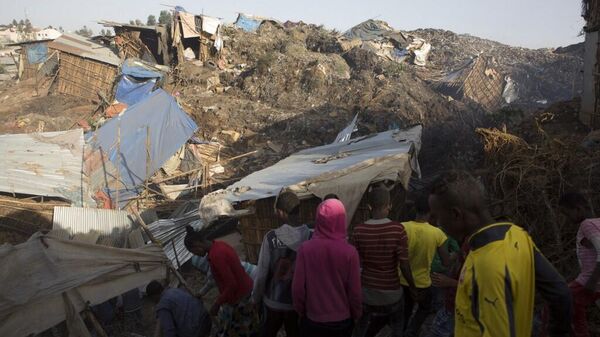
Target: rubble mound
{"type": "Point", "coordinates": [542, 76]}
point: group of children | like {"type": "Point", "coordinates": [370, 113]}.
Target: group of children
{"type": "Point", "coordinates": [477, 275]}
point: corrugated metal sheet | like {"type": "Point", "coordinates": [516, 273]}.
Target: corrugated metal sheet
{"type": "Point", "coordinates": [81, 46]}
{"type": "Point", "coordinates": [171, 233]}
{"type": "Point", "coordinates": [47, 164]}
{"type": "Point", "coordinates": [112, 227]}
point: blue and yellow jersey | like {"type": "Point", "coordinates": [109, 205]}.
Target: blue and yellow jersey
{"type": "Point", "coordinates": [495, 295]}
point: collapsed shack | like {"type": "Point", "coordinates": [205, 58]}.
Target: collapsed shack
{"type": "Point", "coordinates": [251, 23]}
{"type": "Point", "coordinates": [346, 169]}
{"type": "Point", "coordinates": [80, 67]}
{"type": "Point", "coordinates": [380, 38]}
{"type": "Point", "coordinates": [477, 81]}
{"type": "Point", "coordinates": [130, 148]}
{"type": "Point", "coordinates": [64, 278]}
{"type": "Point", "coordinates": [196, 37]}
{"type": "Point", "coordinates": [46, 164]}
{"type": "Point", "coordinates": [148, 43]}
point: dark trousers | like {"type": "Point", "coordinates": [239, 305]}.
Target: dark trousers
{"type": "Point", "coordinates": [274, 319]}
{"type": "Point", "coordinates": [309, 328]}
{"type": "Point", "coordinates": [374, 318]}
{"type": "Point", "coordinates": [413, 322]}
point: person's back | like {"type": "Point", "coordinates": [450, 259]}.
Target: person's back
{"type": "Point", "coordinates": [503, 270]}
{"type": "Point", "coordinates": [382, 246]}
{"type": "Point", "coordinates": [186, 312]}
{"type": "Point", "coordinates": [497, 282]}
{"type": "Point", "coordinates": [231, 278]}
{"type": "Point", "coordinates": [424, 240]}
{"type": "Point", "coordinates": [326, 286]}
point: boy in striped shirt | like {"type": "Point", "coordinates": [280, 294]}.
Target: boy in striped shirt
{"type": "Point", "coordinates": [382, 246]}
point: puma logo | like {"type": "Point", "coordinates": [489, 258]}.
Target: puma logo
{"type": "Point", "coordinates": [490, 301]}
{"type": "Point", "coordinates": [517, 245]}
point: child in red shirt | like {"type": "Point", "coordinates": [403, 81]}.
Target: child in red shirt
{"type": "Point", "coordinates": [237, 315]}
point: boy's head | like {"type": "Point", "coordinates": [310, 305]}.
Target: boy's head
{"type": "Point", "coordinates": [287, 206]}
{"type": "Point", "coordinates": [154, 290]}
{"type": "Point", "coordinates": [574, 207]}
{"type": "Point", "coordinates": [196, 242]}
{"type": "Point", "coordinates": [331, 196]}
{"type": "Point", "coordinates": [457, 201]}
{"type": "Point", "coordinates": [379, 200]}
{"type": "Point", "coordinates": [422, 207]}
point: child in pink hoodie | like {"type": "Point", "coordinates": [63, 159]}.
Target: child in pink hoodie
{"type": "Point", "coordinates": [326, 288]}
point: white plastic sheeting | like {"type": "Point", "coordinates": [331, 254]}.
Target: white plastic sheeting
{"type": "Point", "coordinates": [40, 276]}
{"type": "Point", "coordinates": [346, 169]}
{"type": "Point", "coordinates": [47, 164]}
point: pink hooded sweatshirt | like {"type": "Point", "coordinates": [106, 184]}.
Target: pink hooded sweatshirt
{"type": "Point", "coordinates": [326, 285]}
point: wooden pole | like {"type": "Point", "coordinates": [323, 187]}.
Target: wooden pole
{"type": "Point", "coordinates": [97, 326]}
{"type": "Point", "coordinates": [118, 161]}
{"type": "Point", "coordinates": [147, 155]}
{"type": "Point", "coordinates": [154, 240]}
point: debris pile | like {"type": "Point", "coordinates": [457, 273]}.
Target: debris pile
{"type": "Point", "coordinates": [529, 170]}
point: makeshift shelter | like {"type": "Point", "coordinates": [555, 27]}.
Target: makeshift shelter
{"type": "Point", "coordinates": [198, 34]}
{"type": "Point", "coordinates": [251, 23]}
{"type": "Point", "coordinates": [45, 164]}
{"type": "Point", "coordinates": [136, 143]}
{"type": "Point", "coordinates": [346, 169]}
{"type": "Point", "coordinates": [87, 69]}
{"type": "Point", "coordinates": [63, 278]}
{"type": "Point", "coordinates": [477, 81]}
{"type": "Point", "coordinates": [380, 38]}
{"type": "Point", "coordinates": [138, 79]}
{"type": "Point", "coordinates": [148, 43]}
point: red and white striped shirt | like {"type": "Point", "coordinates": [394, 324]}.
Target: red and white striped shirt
{"type": "Point", "coordinates": [381, 245]}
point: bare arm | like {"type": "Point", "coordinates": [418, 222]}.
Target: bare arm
{"type": "Point", "coordinates": [407, 273]}
{"type": "Point", "coordinates": [444, 255]}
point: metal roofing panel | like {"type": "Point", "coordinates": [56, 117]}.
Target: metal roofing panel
{"type": "Point", "coordinates": [81, 46]}
{"type": "Point", "coordinates": [171, 233]}
{"type": "Point", "coordinates": [47, 164]}
{"type": "Point", "coordinates": [112, 227]}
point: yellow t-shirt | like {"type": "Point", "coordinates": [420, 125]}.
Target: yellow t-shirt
{"type": "Point", "coordinates": [423, 242]}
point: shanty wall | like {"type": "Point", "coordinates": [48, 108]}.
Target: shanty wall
{"type": "Point", "coordinates": [484, 85]}
{"type": "Point", "coordinates": [255, 226]}
{"type": "Point", "coordinates": [84, 78]}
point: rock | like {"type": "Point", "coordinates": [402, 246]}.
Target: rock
{"type": "Point", "coordinates": [234, 136]}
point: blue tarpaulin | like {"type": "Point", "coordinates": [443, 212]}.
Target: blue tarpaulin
{"type": "Point", "coordinates": [37, 52]}
{"type": "Point", "coordinates": [131, 91]}
{"type": "Point", "coordinates": [157, 119]}
{"type": "Point", "coordinates": [247, 23]}
{"type": "Point", "coordinates": [139, 69]}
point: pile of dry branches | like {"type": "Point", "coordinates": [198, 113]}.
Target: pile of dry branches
{"type": "Point", "coordinates": [526, 180]}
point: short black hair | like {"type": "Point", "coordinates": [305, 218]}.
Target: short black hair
{"type": "Point", "coordinates": [331, 196]}
{"type": "Point", "coordinates": [154, 288]}
{"type": "Point", "coordinates": [422, 203]}
{"type": "Point", "coordinates": [288, 202]}
{"type": "Point", "coordinates": [379, 197]}
{"type": "Point", "coordinates": [460, 189]}
{"type": "Point", "coordinates": [573, 200]}
{"type": "Point", "coordinates": [192, 236]}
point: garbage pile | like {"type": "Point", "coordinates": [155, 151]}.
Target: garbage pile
{"type": "Point", "coordinates": [132, 134]}
{"type": "Point", "coordinates": [540, 76]}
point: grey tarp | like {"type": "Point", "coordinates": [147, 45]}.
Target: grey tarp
{"type": "Point", "coordinates": [345, 169]}
{"type": "Point", "coordinates": [35, 275]}
{"type": "Point", "coordinates": [374, 30]}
